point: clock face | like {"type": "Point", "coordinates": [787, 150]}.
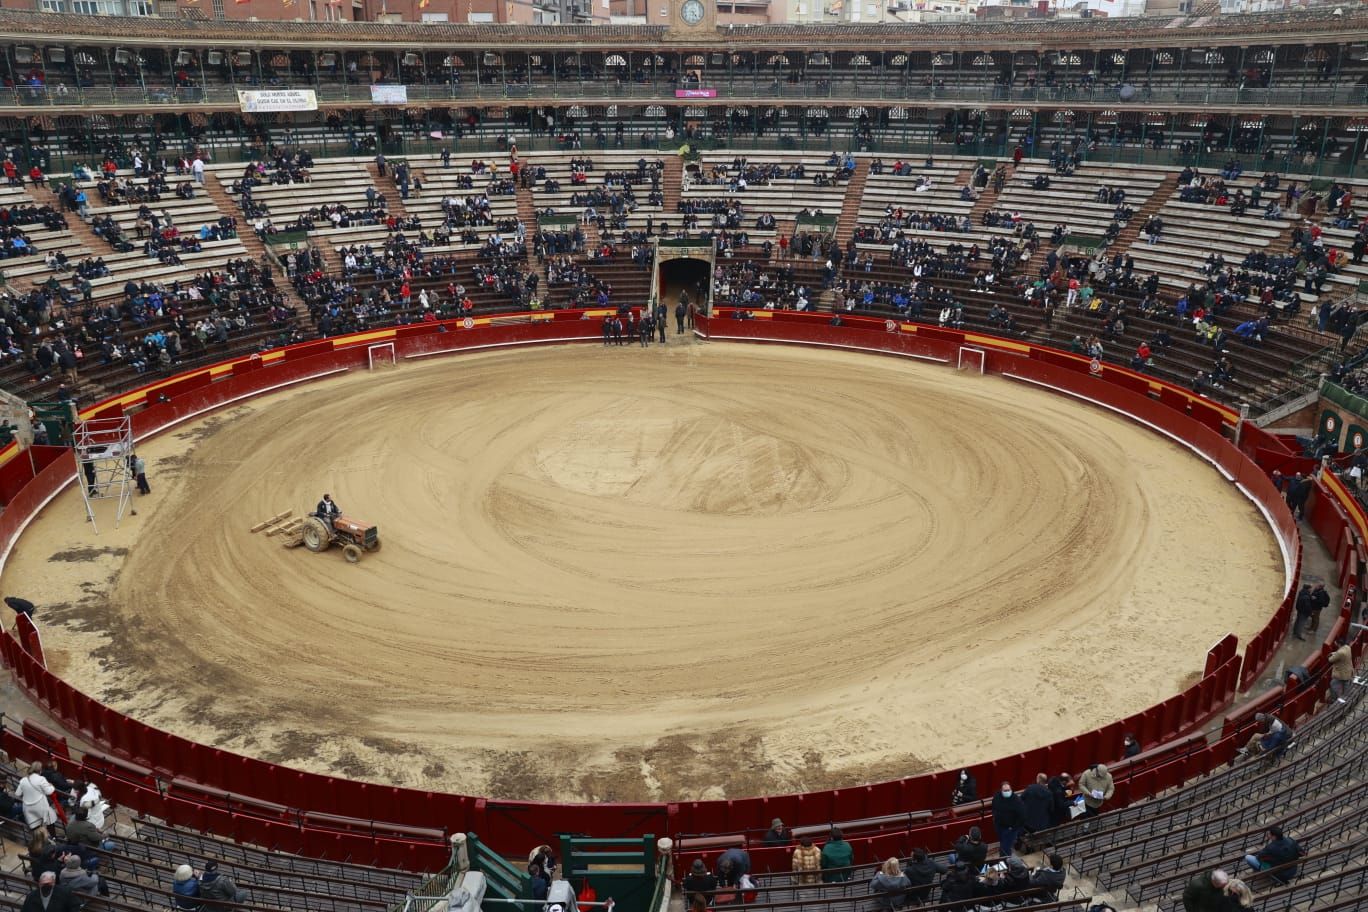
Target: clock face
{"type": "Point", "coordinates": [692, 11]}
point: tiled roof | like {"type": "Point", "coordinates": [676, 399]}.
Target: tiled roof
{"type": "Point", "coordinates": [21, 25]}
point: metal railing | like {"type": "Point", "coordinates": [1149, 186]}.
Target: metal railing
{"type": "Point", "coordinates": [1201, 92]}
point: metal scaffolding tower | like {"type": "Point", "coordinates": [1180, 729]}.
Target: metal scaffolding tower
{"type": "Point", "coordinates": [104, 447]}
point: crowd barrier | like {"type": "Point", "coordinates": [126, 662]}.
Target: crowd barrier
{"type": "Point", "coordinates": [252, 800]}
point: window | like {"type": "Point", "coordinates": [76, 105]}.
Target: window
{"type": "Point", "coordinates": [95, 7]}
{"type": "Point", "coordinates": [52, 6]}
{"type": "Point", "coordinates": [139, 7]}
{"type": "Point", "coordinates": [217, 6]}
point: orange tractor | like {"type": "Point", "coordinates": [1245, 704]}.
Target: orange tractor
{"type": "Point", "coordinates": [353, 535]}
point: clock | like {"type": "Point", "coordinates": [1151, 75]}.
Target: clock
{"type": "Point", "coordinates": [692, 11]}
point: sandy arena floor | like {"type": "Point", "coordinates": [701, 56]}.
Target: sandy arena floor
{"type": "Point", "coordinates": [696, 571]}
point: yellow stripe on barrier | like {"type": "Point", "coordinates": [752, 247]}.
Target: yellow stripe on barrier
{"type": "Point", "coordinates": [372, 336]}
{"type": "Point", "coordinates": [997, 343]}
{"type": "Point", "coordinates": [1348, 501]}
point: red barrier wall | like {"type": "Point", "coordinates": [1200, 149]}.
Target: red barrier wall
{"type": "Point", "coordinates": [250, 799]}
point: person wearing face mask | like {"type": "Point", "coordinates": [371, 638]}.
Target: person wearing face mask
{"type": "Point", "coordinates": [49, 896]}
{"type": "Point", "coordinates": [1009, 817]}
{"type": "Point", "coordinates": [966, 789]}
{"type": "Point", "coordinates": [1097, 787]}
{"type": "Point", "coordinates": [1129, 746]}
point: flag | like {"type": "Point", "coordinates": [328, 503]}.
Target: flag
{"type": "Point", "coordinates": [240, 2]}
{"type": "Point", "coordinates": [424, 4]}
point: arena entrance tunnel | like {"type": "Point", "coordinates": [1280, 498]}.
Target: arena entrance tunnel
{"type": "Point", "coordinates": [684, 274]}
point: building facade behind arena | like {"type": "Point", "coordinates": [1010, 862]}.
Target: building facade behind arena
{"type": "Point", "coordinates": [1282, 91]}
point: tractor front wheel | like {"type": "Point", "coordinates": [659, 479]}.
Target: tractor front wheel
{"type": "Point", "coordinates": [352, 553]}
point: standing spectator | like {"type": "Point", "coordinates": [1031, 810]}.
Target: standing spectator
{"type": "Point", "coordinates": [1039, 804]}
{"type": "Point", "coordinates": [139, 467]}
{"type": "Point", "coordinates": [1205, 892]}
{"type": "Point", "coordinates": [732, 865]}
{"type": "Point", "coordinates": [837, 857]}
{"type": "Point", "coordinates": [1009, 818]}
{"type": "Point", "coordinates": [1303, 610]}
{"type": "Point", "coordinates": [187, 889]}
{"type": "Point", "coordinates": [890, 885]}
{"type": "Point", "coordinates": [1341, 669]}
{"type": "Point", "coordinates": [922, 872]}
{"type": "Point", "coordinates": [1097, 787]}
{"type": "Point", "coordinates": [1280, 850]}
{"type": "Point", "coordinates": [1062, 790]}
{"type": "Point", "coordinates": [1320, 599]}
{"type": "Point", "coordinates": [970, 849]}
{"type": "Point", "coordinates": [33, 790]}
{"type": "Point", "coordinates": [699, 883]}
{"type": "Point", "coordinates": [48, 896]}
{"type": "Point", "coordinates": [538, 882]}
{"type": "Point", "coordinates": [778, 835]}
{"type": "Point", "coordinates": [807, 862]}
{"type": "Point", "coordinates": [95, 806]}
{"type": "Point", "coordinates": [1298, 490]}
{"type": "Point", "coordinates": [197, 170]}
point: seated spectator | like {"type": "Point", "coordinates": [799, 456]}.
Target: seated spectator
{"type": "Point", "coordinates": [837, 857]}
{"type": "Point", "coordinates": [82, 832]}
{"type": "Point", "coordinates": [1280, 855]}
{"type": "Point", "coordinates": [699, 883]}
{"type": "Point", "coordinates": [1050, 878]}
{"type": "Point", "coordinates": [971, 849]}
{"type": "Point", "coordinates": [807, 861]}
{"type": "Point", "coordinates": [1270, 735]}
{"type": "Point", "coordinates": [79, 880]}
{"type": "Point", "coordinates": [890, 886]}
{"type": "Point", "coordinates": [1129, 746]}
{"type": "Point", "coordinates": [778, 835]}
{"type": "Point", "coordinates": [187, 889]}
{"type": "Point", "coordinates": [216, 885]}
{"type": "Point", "coordinates": [958, 885]}
{"type": "Point", "coordinates": [921, 873]}
{"type": "Point", "coordinates": [1003, 879]}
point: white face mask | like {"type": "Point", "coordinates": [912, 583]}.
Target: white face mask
{"type": "Point", "coordinates": [1006, 793]}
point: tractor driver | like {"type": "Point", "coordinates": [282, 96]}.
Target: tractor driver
{"type": "Point", "coordinates": [328, 510]}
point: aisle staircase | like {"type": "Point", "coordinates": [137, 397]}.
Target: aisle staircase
{"type": "Point", "coordinates": [1160, 195]}
{"type": "Point", "coordinates": [850, 205]}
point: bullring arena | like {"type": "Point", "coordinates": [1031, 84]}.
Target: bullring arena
{"type": "Point", "coordinates": [940, 434]}
{"type": "Point", "coordinates": [696, 571]}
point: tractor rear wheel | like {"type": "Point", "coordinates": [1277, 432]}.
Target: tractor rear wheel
{"type": "Point", "coordinates": [351, 552]}
{"type": "Point", "coordinates": [316, 534]}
